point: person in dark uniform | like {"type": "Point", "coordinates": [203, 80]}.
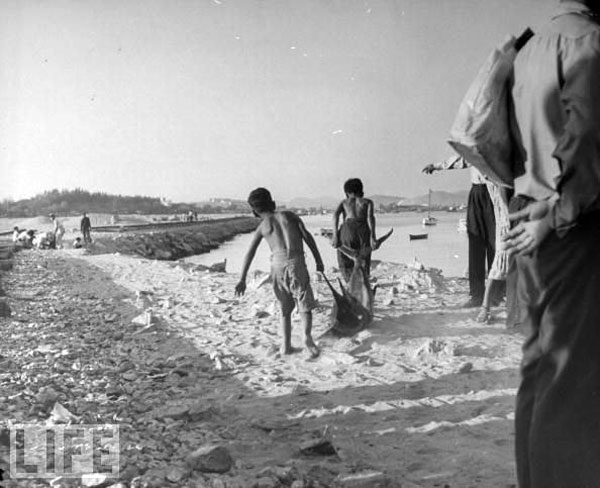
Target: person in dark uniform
{"type": "Point", "coordinates": [86, 229]}
{"type": "Point", "coordinates": [556, 241]}
{"type": "Point", "coordinates": [481, 229]}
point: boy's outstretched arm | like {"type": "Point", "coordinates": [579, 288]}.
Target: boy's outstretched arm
{"type": "Point", "coordinates": [240, 288]}
{"type": "Point", "coordinates": [336, 232]}
{"type": "Point", "coordinates": [371, 223]}
{"type": "Point", "coordinates": [312, 245]}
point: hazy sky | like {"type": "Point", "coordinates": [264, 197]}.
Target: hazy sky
{"type": "Point", "coordinates": [190, 99]}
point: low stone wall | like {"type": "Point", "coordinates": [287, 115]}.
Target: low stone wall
{"type": "Point", "coordinates": [173, 244]}
{"type": "Point", "coordinates": [6, 264]}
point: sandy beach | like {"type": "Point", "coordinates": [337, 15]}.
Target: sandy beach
{"type": "Point", "coordinates": [424, 397]}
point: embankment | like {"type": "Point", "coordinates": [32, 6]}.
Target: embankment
{"type": "Point", "coordinates": [174, 243]}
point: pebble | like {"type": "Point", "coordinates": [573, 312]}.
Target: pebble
{"type": "Point", "coordinates": [210, 459]}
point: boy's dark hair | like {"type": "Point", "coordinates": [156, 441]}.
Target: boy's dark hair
{"type": "Point", "coordinates": [355, 186]}
{"type": "Point", "coordinates": [260, 201]}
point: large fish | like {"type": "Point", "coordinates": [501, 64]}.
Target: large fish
{"type": "Point", "coordinates": [353, 308]}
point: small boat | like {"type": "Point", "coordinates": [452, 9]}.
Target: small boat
{"type": "Point", "coordinates": [416, 237]}
{"type": "Point", "coordinates": [429, 220]}
{"type": "Point", "coordinates": [326, 232]}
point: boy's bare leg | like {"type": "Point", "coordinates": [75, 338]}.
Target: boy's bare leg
{"type": "Point", "coordinates": [308, 340]}
{"type": "Point", "coordinates": [286, 334]}
{"type": "Point", "coordinates": [490, 289]}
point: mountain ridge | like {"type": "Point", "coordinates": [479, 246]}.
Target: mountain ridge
{"type": "Point", "coordinates": [438, 198]}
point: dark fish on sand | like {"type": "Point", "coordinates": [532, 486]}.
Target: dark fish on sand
{"type": "Point", "coordinates": [353, 307]}
{"type": "Point", "coordinates": [348, 316]}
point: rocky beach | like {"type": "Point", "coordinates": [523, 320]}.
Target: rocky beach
{"type": "Point", "coordinates": [192, 375]}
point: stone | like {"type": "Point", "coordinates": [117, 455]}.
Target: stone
{"type": "Point", "coordinates": [210, 459]}
{"type": "Point", "coordinates": [47, 397]}
{"type": "Point", "coordinates": [265, 482]}
{"type": "Point", "coordinates": [201, 412]}
{"type": "Point", "coordinates": [466, 368]}
{"type": "Point", "coordinates": [94, 479]}
{"type": "Point", "coordinates": [176, 474]}
{"type": "Point", "coordinates": [5, 310]}
{"type": "Point", "coordinates": [175, 412]}
{"type": "Point", "coordinates": [145, 318]}
{"type": "Point", "coordinates": [367, 479]}
{"type": "Point", "coordinates": [320, 447]}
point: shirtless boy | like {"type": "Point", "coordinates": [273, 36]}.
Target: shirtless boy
{"type": "Point", "coordinates": [357, 231]}
{"type": "Point", "coordinates": [284, 232]}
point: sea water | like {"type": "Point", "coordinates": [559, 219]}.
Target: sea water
{"type": "Point", "coordinates": [445, 247]}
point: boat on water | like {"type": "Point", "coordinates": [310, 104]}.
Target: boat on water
{"type": "Point", "coordinates": [429, 220]}
{"type": "Point", "coordinates": [416, 237]}
{"type": "Point", "coordinates": [326, 232]}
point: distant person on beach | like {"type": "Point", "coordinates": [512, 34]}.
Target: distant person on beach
{"type": "Point", "coordinates": [481, 228]}
{"type": "Point", "coordinates": [59, 232]}
{"type": "Point", "coordinates": [22, 236]}
{"type": "Point", "coordinates": [43, 240]}
{"type": "Point", "coordinates": [86, 229]}
{"type": "Point", "coordinates": [284, 232]}
{"type": "Point", "coordinates": [556, 241]}
{"type": "Point", "coordinates": [357, 231]}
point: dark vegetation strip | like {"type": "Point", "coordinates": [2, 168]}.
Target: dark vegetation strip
{"type": "Point", "coordinates": [177, 242]}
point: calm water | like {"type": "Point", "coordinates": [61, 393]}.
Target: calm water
{"type": "Point", "coordinates": [445, 247]}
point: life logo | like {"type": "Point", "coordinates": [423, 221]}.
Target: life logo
{"type": "Point", "coordinates": [66, 451]}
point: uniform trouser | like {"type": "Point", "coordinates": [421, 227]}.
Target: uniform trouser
{"type": "Point", "coordinates": [558, 403]}
{"type": "Point", "coordinates": [481, 230]}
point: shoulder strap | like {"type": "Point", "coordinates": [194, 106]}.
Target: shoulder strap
{"type": "Point", "coordinates": [523, 38]}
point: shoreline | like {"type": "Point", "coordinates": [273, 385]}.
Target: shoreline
{"type": "Point", "coordinates": [423, 397]}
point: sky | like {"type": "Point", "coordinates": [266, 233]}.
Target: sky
{"type": "Point", "coordinates": [193, 99]}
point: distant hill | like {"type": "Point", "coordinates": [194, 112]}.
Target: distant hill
{"type": "Point", "coordinates": [440, 198]}
{"type": "Point", "coordinates": [317, 202]}
{"type": "Point", "coordinates": [74, 202]}
{"type": "Point", "coordinates": [385, 199]}
{"type": "Point", "coordinates": [330, 203]}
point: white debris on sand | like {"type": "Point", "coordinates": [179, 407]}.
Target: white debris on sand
{"type": "Point", "coordinates": [425, 391]}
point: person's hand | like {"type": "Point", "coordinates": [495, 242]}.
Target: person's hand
{"type": "Point", "coordinates": [526, 237]}
{"type": "Point", "coordinates": [335, 241]}
{"type": "Point", "coordinates": [320, 267]}
{"type": "Point", "coordinates": [430, 168]}
{"type": "Point", "coordinates": [533, 211]}
{"type": "Point", "coordinates": [240, 288]}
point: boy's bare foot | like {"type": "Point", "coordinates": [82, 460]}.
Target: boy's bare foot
{"type": "Point", "coordinates": [289, 350]}
{"type": "Point", "coordinates": [313, 350]}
